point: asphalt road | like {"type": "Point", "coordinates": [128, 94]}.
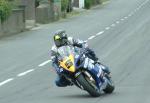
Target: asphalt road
{"type": "Point", "coordinates": [119, 33]}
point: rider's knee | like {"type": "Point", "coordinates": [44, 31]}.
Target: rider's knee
{"type": "Point", "coordinates": [105, 69]}
{"type": "Point", "coordinates": [60, 84]}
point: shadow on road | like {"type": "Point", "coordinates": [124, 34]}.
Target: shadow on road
{"type": "Point", "coordinates": [83, 96]}
{"type": "Point", "coordinates": [75, 96]}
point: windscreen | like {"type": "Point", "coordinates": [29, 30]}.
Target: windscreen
{"type": "Point", "coordinates": [65, 51]}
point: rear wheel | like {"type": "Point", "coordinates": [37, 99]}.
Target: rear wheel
{"type": "Point", "coordinates": [88, 85]}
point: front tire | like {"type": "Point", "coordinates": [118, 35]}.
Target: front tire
{"type": "Point", "coordinates": [110, 86]}
{"type": "Point", "coordinates": [87, 86]}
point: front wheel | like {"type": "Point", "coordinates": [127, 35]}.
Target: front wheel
{"type": "Point", "coordinates": [88, 85]}
{"type": "Point", "coordinates": [110, 86]}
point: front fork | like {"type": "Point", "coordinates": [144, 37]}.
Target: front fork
{"type": "Point", "coordinates": [89, 77]}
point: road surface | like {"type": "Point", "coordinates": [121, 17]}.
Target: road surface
{"type": "Point", "coordinates": [119, 33]}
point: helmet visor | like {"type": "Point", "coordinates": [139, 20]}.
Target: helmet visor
{"type": "Point", "coordinates": [58, 42]}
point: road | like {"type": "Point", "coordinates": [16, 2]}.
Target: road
{"type": "Point", "coordinates": [118, 32]}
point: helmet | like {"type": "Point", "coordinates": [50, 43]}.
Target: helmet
{"type": "Point", "coordinates": [60, 38]}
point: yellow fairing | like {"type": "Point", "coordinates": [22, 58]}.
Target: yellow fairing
{"type": "Point", "coordinates": [68, 63]}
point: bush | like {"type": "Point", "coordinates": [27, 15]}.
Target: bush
{"type": "Point", "coordinates": [5, 10]}
{"type": "Point", "coordinates": [37, 3]}
{"type": "Point", "coordinates": [88, 4]}
{"type": "Point", "coordinates": [64, 5]}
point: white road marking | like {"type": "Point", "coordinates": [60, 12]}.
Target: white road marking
{"type": "Point", "coordinates": [122, 19]}
{"type": "Point", "coordinates": [107, 28]}
{"type": "Point", "coordinates": [117, 22]}
{"type": "Point", "coordinates": [146, 1]}
{"type": "Point", "coordinates": [143, 4]}
{"type": "Point", "coordinates": [6, 81]}
{"type": "Point", "coordinates": [24, 73]}
{"type": "Point", "coordinates": [44, 63]}
{"type": "Point", "coordinates": [100, 33]}
{"type": "Point", "coordinates": [91, 37]}
{"type": "Point", "coordinates": [133, 13]}
{"type": "Point", "coordinates": [113, 25]}
{"type": "Point", "coordinates": [126, 17]}
{"type": "Point", "coordinates": [135, 10]}
{"type": "Point", "coordinates": [130, 15]}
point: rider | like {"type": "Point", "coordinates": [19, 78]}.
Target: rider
{"type": "Point", "coordinates": [61, 39]}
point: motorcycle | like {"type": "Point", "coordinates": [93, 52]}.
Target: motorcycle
{"type": "Point", "coordinates": [81, 71]}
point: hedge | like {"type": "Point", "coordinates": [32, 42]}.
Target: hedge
{"type": "Point", "coordinates": [88, 4]}
{"type": "Point", "coordinates": [5, 10]}
{"type": "Point", "coordinates": [64, 5]}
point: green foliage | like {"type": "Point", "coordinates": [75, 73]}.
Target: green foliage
{"type": "Point", "coordinates": [64, 5]}
{"type": "Point", "coordinates": [5, 10]}
{"type": "Point", "coordinates": [88, 4]}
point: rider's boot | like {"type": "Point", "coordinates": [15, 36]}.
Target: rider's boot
{"type": "Point", "coordinates": [62, 81]}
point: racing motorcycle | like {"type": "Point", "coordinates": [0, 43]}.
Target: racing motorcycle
{"type": "Point", "coordinates": [81, 71]}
